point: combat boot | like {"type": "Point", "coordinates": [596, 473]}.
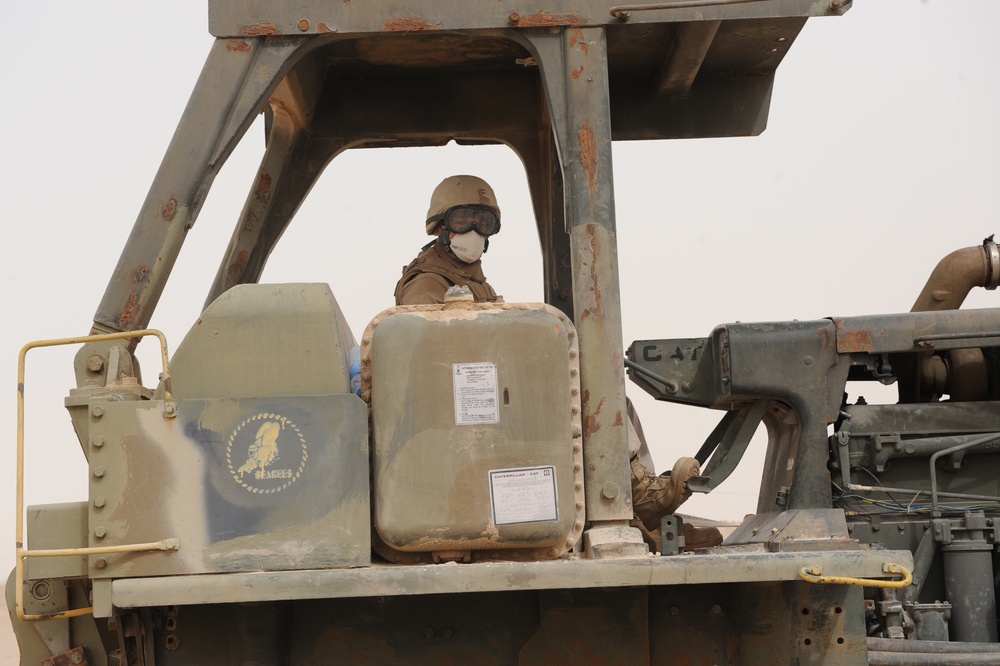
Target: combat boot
{"type": "Point", "coordinates": [701, 537]}
{"type": "Point", "coordinates": [655, 496]}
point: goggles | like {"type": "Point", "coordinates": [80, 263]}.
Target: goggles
{"type": "Point", "coordinates": [462, 219]}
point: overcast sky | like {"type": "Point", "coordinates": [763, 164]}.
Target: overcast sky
{"type": "Point", "coordinates": [879, 159]}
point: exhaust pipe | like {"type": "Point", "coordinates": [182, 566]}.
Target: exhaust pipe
{"type": "Point", "coordinates": [957, 274]}
{"type": "Point", "coordinates": [959, 373]}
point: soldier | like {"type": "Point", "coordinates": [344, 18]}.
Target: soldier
{"type": "Point", "coordinates": [462, 216]}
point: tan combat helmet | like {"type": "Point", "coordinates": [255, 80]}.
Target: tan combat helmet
{"type": "Point", "coordinates": [459, 191]}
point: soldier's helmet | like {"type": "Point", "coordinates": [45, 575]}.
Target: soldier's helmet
{"type": "Point", "coordinates": [459, 191]}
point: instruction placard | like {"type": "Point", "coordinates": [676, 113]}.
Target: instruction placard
{"type": "Point", "coordinates": [475, 393]}
{"type": "Point", "coordinates": [523, 495]}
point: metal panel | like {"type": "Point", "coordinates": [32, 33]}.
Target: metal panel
{"type": "Point", "coordinates": [245, 484]}
{"type": "Point", "coordinates": [388, 580]}
{"type": "Point", "coordinates": [240, 18]}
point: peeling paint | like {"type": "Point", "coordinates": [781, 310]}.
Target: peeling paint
{"type": "Point", "coordinates": [407, 24]}
{"type": "Point", "coordinates": [855, 341]}
{"type": "Point", "coordinates": [618, 419]}
{"type": "Point", "coordinates": [590, 422]}
{"type": "Point", "coordinates": [543, 19]}
{"type": "Point", "coordinates": [852, 341]}
{"type": "Point", "coordinates": [169, 210]}
{"type": "Point", "coordinates": [597, 309]}
{"type": "Point", "coordinates": [578, 38]}
{"type": "Point", "coordinates": [588, 156]}
{"type": "Point", "coordinates": [576, 72]}
{"type": "Point", "coordinates": [264, 187]}
{"type": "Point", "coordinates": [129, 311]}
{"type": "Point", "coordinates": [323, 28]}
{"type": "Point", "coordinates": [259, 30]}
{"type": "Point", "coordinates": [240, 45]}
{"type": "Point", "coordinates": [239, 266]}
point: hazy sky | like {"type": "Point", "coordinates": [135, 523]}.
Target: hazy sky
{"type": "Point", "coordinates": [880, 158]}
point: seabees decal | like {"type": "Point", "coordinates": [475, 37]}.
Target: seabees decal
{"type": "Point", "coordinates": [276, 453]}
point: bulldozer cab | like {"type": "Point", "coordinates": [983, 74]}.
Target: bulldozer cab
{"type": "Point", "coordinates": [471, 500]}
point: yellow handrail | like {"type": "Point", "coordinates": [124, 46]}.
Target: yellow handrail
{"type": "Point", "coordinates": [169, 411]}
{"type": "Point", "coordinates": [814, 574]}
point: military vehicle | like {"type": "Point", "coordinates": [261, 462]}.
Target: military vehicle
{"type": "Point", "coordinates": [473, 505]}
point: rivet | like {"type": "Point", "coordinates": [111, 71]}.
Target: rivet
{"type": "Point", "coordinates": [569, 544]}
{"type": "Point", "coordinates": [716, 609]}
{"type": "Point", "coordinates": [572, 353]}
{"type": "Point", "coordinates": [577, 467]}
{"type": "Point", "coordinates": [609, 491]}
{"type": "Point", "coordinates": [428, 633]}
{"type": "Point", "coordinates": [99, 471]}
{"type": "Point", "coordinates": [97, 442]}
{"type": "Point", "coordinates": [97, 411]}
{"type": "Point", "coordinates": [674, 610]}
{"type": "Point", "coordinates": [304, 25]}
{"type": "Point", "coordinates": [808, 360]}
{"type": "Point", "coordinates": [577, 526]}
{"type": "Point", "coordinates": [447, 633]}
{"type": "Point", "coordinates": [575, 409]}
{"type": "Point", "coordinates": [101, 563]}
{"type": "Point", "coordinates": [571, 335]}
{"type": "Point", "coordinates": [576, 448]}
{"type": "Point", "coordinates": [578, 486]}
{"type": "Point", "coordinates": [99, 502]}
{"type": "Point", "coordinates": [574, 391]}
{"type": "Point", "coordinates": [572, 372]}
{"type": "Point", "coordinates": [100, 532]}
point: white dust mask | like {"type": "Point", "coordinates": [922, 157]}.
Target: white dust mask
{"type": "Point", "coordinates": [468, 247]}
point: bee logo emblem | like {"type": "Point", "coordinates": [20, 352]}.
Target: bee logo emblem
{"type": "Point", "coordinates": [266, 453]}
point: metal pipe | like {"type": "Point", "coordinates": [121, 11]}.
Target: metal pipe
{"type": "Point", "coordinates": [876, 658]}
{"type": "Point", "coordinates": [933, 466]}
{"type": "Point", "coordinates": [956, 275]}
{"type": "Point", "coordinates": [914, 491]}
{"type": "Point", "coordinates": [930, 647]}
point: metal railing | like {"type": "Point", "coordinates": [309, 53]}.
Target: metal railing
{"type": "Point", "coordinates": [23, 554]}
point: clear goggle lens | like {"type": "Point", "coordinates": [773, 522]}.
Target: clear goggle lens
{"type": "Point", "coordinates": [462, 219]}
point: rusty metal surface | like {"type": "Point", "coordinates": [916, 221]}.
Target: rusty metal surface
{"type": "Point", "coordinates": [577, 90]}
{"type": "Point", "coordinates": [75, 657]}
{"type": "Point", "coordinates": [233, 18]}
{"type": "Point", "coordinates": [727, 80]}
{"type": "Point", "coordinates": [916, 331]}
{"type": "Point", "coordinates": [387, 580]}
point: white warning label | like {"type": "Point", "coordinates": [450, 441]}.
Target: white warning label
{"type": "Point", "coordinates": [475, 393]}
{"type": "Point", "coordinates": [525, 495]}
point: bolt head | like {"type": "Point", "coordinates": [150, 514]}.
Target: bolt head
{"type": "Point", "coordinates": [95, 363]}
{"type": "Point", "coordinates": [609, 491]}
